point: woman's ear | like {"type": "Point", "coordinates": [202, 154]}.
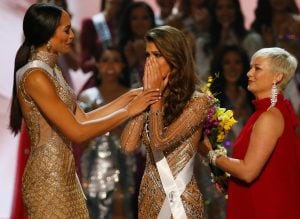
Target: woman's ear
{"type": "Point", "coordinates": [278, 77]}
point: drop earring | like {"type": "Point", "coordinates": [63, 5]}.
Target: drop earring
{"type": "Point", "coordinates": [274, 93]}
{"type": "Point", "coordinates": [48, 46]}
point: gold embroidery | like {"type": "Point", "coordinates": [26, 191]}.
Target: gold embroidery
{"type": "Point", "coordinates": [178, 143]}
{"type": "Point", "coordinates": [50, 188]}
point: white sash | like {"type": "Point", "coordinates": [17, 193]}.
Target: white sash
{"type": "Point", "coordinates": [102, 29]}
{"type": "Point", "coordinates": [173, 187]}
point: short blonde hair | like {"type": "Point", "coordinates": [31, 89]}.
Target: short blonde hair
{"type": "Point", "coordinates": [281, 61]}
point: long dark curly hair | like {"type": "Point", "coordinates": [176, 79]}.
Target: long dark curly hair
{"type": "Point", "coordinates": [174, 47]}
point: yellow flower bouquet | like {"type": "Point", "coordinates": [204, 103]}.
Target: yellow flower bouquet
{"type": "Point", "coordinates": [218, 123]}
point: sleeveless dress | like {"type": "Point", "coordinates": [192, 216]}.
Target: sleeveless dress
{"type": "Point", "coordinates": [50, 186]}
{"type": "Point", "coordinates": [275, 194]}
{"type": "Point", "coordinates": [180, 140]}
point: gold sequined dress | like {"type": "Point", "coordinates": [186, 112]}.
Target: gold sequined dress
{"type": "Point", "coordinates": [50, 186]}
{"type": "Point", "coordinates": [178, 142]}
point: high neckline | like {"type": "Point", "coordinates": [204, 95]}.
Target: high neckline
{"type": "Point", "coordinates": [47, 57]}
{"type": "Point", "coordinates": [264, 104]}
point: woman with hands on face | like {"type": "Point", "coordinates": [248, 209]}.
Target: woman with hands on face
{"type": "Point", "coordinates": [170, 129]}
{"type": "Point", "coordinates": [48, 106]}
{"type": "Point", "coordinates": [265, 167]}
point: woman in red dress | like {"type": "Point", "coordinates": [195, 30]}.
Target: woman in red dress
{"type": "Point", "coordinates": [265, 167]}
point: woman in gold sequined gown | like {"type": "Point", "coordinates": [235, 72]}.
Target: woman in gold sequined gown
{"type": "Point", "coordinates": [48, 106]}
{"type": "Point", "coordinates": [170, 130]}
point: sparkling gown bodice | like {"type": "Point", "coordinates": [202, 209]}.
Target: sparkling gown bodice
{"type": "Point", "coordinates": [50, 186]}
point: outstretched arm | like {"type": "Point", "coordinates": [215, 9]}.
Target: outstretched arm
{"type": "Point", "coordinates": [41, 89]}
{"type": "Point", "coordinates": [111, 107]}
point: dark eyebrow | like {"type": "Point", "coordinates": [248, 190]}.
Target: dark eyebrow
{"type": "Point", "coordinates": [153, 52]}
{"type": "Point", "coordinates": [67, 26]}
{"type": "Point", "coordinates": [156, 52]}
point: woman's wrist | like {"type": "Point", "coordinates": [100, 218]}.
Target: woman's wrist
{"type": "Point", "coordinates": [213, 155]}
{"type": "Point", "coordinates": [157, 106]}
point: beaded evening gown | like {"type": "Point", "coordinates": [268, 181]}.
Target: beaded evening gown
{"type": "Point", "coordinates": [178, 142]}
{"type": "Point", "coordinates": [50, 186]}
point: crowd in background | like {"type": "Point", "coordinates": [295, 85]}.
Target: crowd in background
{"type": "Point", "coordinates": [111, 45]}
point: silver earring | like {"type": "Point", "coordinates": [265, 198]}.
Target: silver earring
{"type": "Point", "coordinates": [274, 93]}
{"type": "Point", "coordinates": [48, 46]}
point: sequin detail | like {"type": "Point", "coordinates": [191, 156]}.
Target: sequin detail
{"type": "Point", "coordinates": [178, 142]}
{"type": "Point", "coordinates": [50, 187]}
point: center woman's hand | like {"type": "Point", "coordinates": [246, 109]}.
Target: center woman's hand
{"type": "Point", "coordinates": [152, 76]}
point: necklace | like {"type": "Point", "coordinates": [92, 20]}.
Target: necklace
{"type": "Point", "coordinates": [47, 57]}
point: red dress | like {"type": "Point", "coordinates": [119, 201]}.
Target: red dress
{"type": "Point", "coordinates": [18, 211]}
{"type": "Point", "coordinates": [275, 194]}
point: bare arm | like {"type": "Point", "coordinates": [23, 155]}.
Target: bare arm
{"type": "Point", "coordinates": [41, 89]}
{"type": "Point", "coordinates": [265, 133]}
{"type": "Point", "coordinates": [109, 108]}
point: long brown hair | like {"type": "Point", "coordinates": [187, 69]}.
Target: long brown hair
{"type": "Point", "coordinates": [174, 47]}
